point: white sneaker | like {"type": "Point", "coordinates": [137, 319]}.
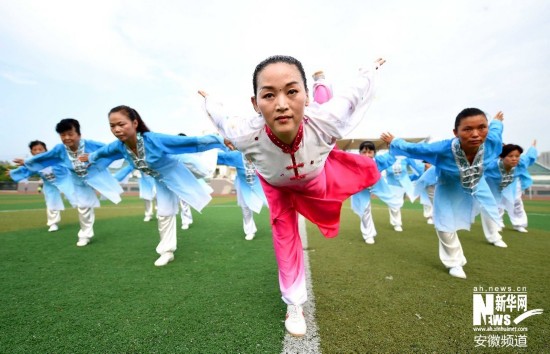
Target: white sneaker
{"type": "Point", "coordinates": [430, 221]}
{"type": "Point", "coordinates": [398, 228]}
{"type": "Point", "coordinates": [164, 259]}
{"type": "Point", "coordinates": [249, 237]}
{"type": "Point", "coordinates": [520, 229]}
{"type": "Point", "coordinates": [53, 228]}
{"type": "Point", "coordinates": [500, 243]}
{"type": "Point", "coordinates": [295, 323]}
{"type": "Point", "coordinates": [457, 272]}
{"type": "Point", "coordinates": [184, 226]}
{"type": "Point", "coordinates": [147, 218]}
{"type": "Point", "coordinates": [369, 240]}
{"type": "Point", "coordinates": [82, 242]}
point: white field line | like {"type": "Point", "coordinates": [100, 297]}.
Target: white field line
{"type": "Point", "coordinates": [310, 343]}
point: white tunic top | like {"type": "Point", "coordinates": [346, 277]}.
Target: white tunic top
{"type": "Point", "coordinates": [322, 126]}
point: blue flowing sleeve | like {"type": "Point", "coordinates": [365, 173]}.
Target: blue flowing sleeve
{"type": "Point", "coordinates": [21, 173]}
{"type": "Point", "coordinates": [493, 143]}
{"type": "Point", "coordinates": [421, 151]}
{"type": "Point", "coordinates": [384, 161]}
{"type": "Point", "coordinates": [104, 155]}
{"type": "Point", "coordinates": [46, 159]}
{"type": "Point", "coordinates": [121, 174]}
{"type": "Point", "coordinates": [176, 144]}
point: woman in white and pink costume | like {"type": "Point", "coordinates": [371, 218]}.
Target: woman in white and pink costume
{"type": "Point", "coordinates": [292, 145]}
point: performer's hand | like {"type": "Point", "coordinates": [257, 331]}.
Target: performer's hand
{"type": "Point", "coordinates": [379, 62]}
{"type": "Point", "coordinates": [499, 116]}
{"type": "Point", "coordinates": [229, 144]}
{"type": "Point", "coordinates": [387, 137]}
{"type": "Point", "coordinates": [83, 158]}
{"type": "Point", "coordinates": [202, 93]}
{"type": "Point", "coordinates": [19, 162]}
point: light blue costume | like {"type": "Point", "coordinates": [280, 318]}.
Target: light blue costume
{"type": "Point", "coordinates": [81, 182]}
{"type": "Point", "coordinates": [461, 191]}
{"type": "Point", "coordinates": [507, 185]}
{"type": "Point", "coordinates": [50, 177]}
{"type": "Point", "coordinates": [83, 178]}
{"type": "Point", "coordinates": [157, 157]}
{"type": "Point", "coordinates": [360, 202]}
{"type": "Point", "coordinates": [250, 195]}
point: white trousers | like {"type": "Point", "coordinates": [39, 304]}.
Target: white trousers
{"type": "Point", "coordinates": [86, 216]}
{"type": "Point", "coordinates": [249, 226]}
{"type": "Point", "coordinates": [450, 249]}
{"type": "Point", "coordinates": [54, 216]}
{"type": "Point", "coordinates": [168, 234]}
{"type": "Point", "coordinates": [516, 213]}
{"type": "Point", "coordinates": [395, 217]}
{"type": "Point", "coordinates": [149, 210]}
{"type": "Point", "coordinates": [367, 224]}
{"type": "Point", "coordinates": [185, 212]}
{"type": "Point", "coordinates": [491, 228]}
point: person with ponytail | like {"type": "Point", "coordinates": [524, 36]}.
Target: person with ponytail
{"type": "Point", "coordinates": [155, 155]}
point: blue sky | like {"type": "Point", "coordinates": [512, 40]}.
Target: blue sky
{"type": "Point", "coordinates": [79, 59]}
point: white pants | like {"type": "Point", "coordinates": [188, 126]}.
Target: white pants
{"type": "Point", "coordinates": [168, 234]}
{"type": "Point", "coordinates": [490, 228]}
{"type": "Point", "coordinates": [149, 210]}
{"type": "Point", "coordinates": [517, 214]}
{"type": "Point", "coordinates": [367, 224]}
{"type": "Point", "coordinates": [249, 226]}
{"type": "Point", "coordinates": [395, 217]}
{"type": "Point", "coordinates": [450, 249]}
{"type": "Point", "coordinates": [54, 216]}
{"type": "Point", "coordinates": [186, 216]}
{"type": "Point", "coordinates": [86, 216]}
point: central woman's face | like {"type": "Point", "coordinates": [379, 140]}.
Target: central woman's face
{"type": "Point", "coordinates": [281, 99]}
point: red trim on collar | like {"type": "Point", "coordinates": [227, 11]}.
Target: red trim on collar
{"type": "Point", "coordinates": [287, 149]}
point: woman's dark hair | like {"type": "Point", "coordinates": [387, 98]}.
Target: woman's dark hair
{"type": "Point", "coordinates": [37, 142]}
{"type": "Point", "coordinates": [133, 115]}
{"type": "Point", "coordinates": [67, 124]}
{"type": "Point", "coordinates": [369, 145]}
{"type": "Point", "coordinates": [508, 148]}
{"type": "Point", "coordinates": [468, 112]}
{"type": "Point", "coordinates": [277, 59]}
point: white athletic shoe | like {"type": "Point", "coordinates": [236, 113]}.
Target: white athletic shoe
{"type": "Point", "coordinates": [53, 228]}
{"type": "Point", "coordinates": [520, 229]}
{"type": "Point", "coordinates": [457, 272]}
{"type": "Point", "coordinates": [369, 240]}
{"type": "Point", "coordinates": [184, 226]}
{"type": "Point", "coordinates": [398, 228]}
{"type": "Point", "coordinates": [430, 221]}
{"type": "Point", "coordinates": [500, 243]}
{"type": "Point", "coordinates": [249, 237]}
{"type": "Point", "coordinates": [164, 259]}
{"type": "Point", "coordinates": [147, 218]}
{"type": "Point", "coordinates": [82, 242]}
{"type": "Point", "coordinates": [295, 323]}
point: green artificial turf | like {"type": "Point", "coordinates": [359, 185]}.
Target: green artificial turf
{"type": "Point", "coordinates": [396, 297]}
{"type": "Point", "coordinates": [220, 294]}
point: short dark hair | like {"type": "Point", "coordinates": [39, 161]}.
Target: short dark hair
{"type": "Point", "coordinates": [468, 112]}
{"type": "Point", "coordinates": [37, 142]}
{"type": "Point", "coordinates": [369, 145]}
{"type": "Point", "coordinates": [277, 59]}
{"type": "Point", "coordinates": [508, 148]}
{"type": "Point", "coordinates": [67, 124]}
{"type": "Point", "coordinates": [133, 115]}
